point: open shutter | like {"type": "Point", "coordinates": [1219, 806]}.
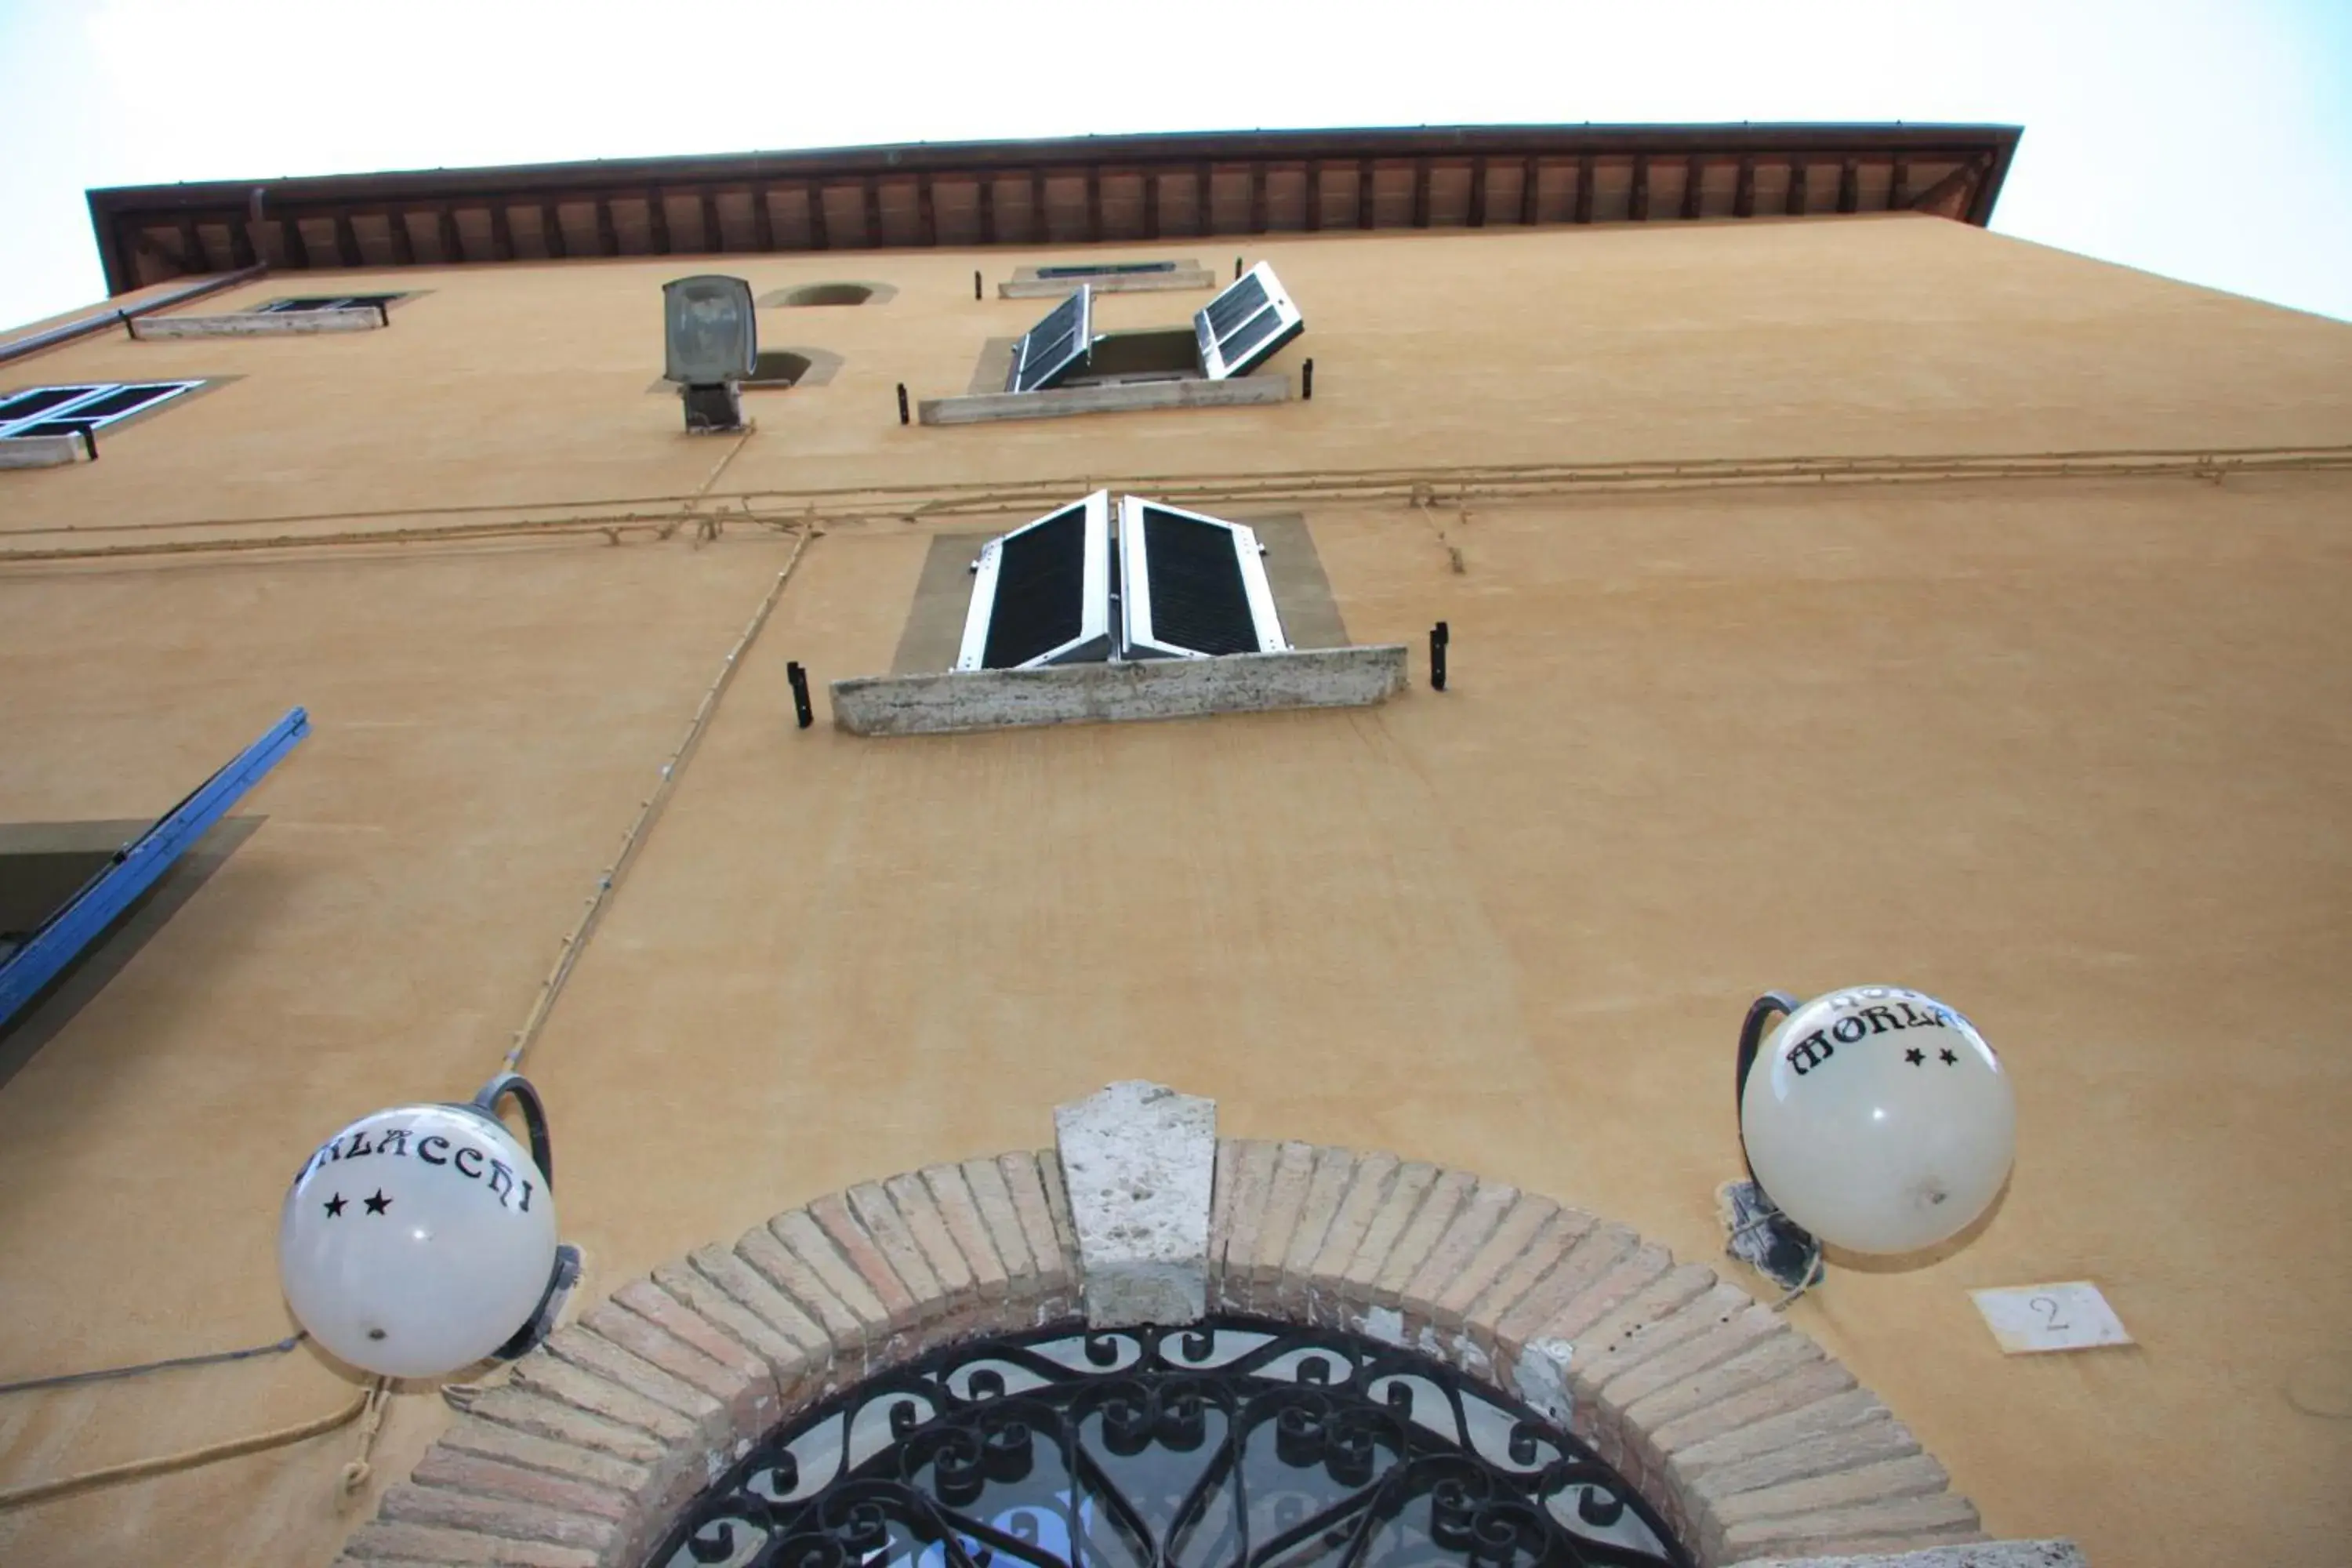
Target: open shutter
{"type": "Point", "coordinates": [1041, 594]}
{"type": "Point", "coordinates": [1242, 328]}
{"type": "Point", "coordinates": [1191, 585]}
{"type": "Point", "coordinates": [69, 410]}
{"type": "Point", "coordinates": [1054, 346]}
{"type": "Point", "coordinates": [136, 868]}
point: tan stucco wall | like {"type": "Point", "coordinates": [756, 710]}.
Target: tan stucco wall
{"type": "Point", "coordinates": [2072, 753]}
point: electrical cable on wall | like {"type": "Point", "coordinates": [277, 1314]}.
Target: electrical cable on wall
{"type": "Point", "coordinates": [370, 1407]}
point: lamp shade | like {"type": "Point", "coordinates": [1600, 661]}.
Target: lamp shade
{"type": "Point", "coordinates": [417, 1240]}
{"type": "Point", "coordinates": [710, 330]}
{"type": "Point", "coordinates": [1879, 1120]}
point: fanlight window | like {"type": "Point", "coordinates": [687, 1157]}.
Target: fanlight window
{"type": "Point", "coordinates": [1236, 1444]}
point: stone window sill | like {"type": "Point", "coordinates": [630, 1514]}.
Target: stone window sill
{"type": "Point", "coordinates": [977, 408]}
{"type": "Point", "coordinates": [257, 324]}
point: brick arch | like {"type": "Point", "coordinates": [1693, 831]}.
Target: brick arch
{"type": "Point", "coordinates": [1749, 1439]}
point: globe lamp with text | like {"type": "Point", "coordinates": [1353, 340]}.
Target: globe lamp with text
{"type": "Point", "coordinates": [419, 1240]}
{"type": "Point", "coordinates": [1878, 1120]}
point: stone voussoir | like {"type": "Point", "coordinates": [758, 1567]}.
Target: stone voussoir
{"type": "Point", "coordinates": [533, 1412]}
{"type": "Point", "coordinates": [1782, 1447]}
{"type": "Point", "coordinates": [1558, 1236]}
{"type": "Point", "coordinates": [1431, 1218]}
{"type": "Point", "coordinates": [1937, 1519]}
{"type": "Point", "coordinates": [486, 1514]}
{"type": "Point", "coordinates": [727, 1373]}
{"type": "Point", "coordinates": [1324, 1287]}
{"type": "Point", "coordinates": [1981, 1555]}
{"type": "Point", "coordinates": [1325, 1192]}
{"type": "Point", "coordinates": [472, 1434]}
{"type": "Point", "coordinates": [857, 1247]}
{"type": "Point", "coordinates": [1138, 1165]}
{"type": "Point", "coordinates": [1396, 1206]}
{"type": "Point", "coordinates": [1515, 1231]}
{"type": "Point", "coordinates": [1058, 1266]}
{"type": "Point", "coordinates": [1250, 1167]}
{"type": "Point", "coordinates": [948, 1197]}
{"type": "Point", "coordinates": [795, 1363]}
{"type": "Point", "coordinates": [1286, 1201]}
{"type": "Point", "coordinates": [594, 1354]}
{"type": "Point", "coordinates": [448, 1468]}
{"type": "Point", "coordinates": [397, 1541]}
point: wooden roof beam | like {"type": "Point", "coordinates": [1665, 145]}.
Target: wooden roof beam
{"type": "Point", "coordinates": [1949, 196]}
{"type": "Point", "coordinates": [192, 257]}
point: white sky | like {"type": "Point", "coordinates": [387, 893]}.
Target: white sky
{"type": "Point", "coordinates": [2206, 140]}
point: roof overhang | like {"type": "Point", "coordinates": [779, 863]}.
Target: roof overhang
{"type": "Point", "coordinates": [1139, 189]}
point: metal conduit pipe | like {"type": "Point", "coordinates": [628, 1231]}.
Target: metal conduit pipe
{"type": "Point", "coordinates": [67, 332]}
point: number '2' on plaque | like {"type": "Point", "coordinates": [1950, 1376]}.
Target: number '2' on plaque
{"type": "Point", "coordinates": [2028, 1319]}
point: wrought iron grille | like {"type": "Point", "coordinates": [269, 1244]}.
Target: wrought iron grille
{"type": "Point", "coordinates": [1236, 1444]}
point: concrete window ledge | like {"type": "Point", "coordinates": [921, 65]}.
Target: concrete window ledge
{"type": "Point", "coordinates": [257, 324]}
{"type": "Point", "coordinates": [1025, 284]}
{"type": "Point", "coordinates": [40, 452]}
{"type": "Point", "coordinates": [982, 407]}
{"type": "Point", "coordinates": [954, 701]}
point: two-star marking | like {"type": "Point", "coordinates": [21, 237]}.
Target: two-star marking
{"type": "Point", "coordinates": [376, 1204]}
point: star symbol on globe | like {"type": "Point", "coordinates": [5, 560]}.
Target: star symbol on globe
{"type": "Point", "coordinates": [379, 1202]}
{"type": "Point", "coordinates": [1950, 1060]}
{"type": "Point", "coordinates": [334, 1206]}
{"type": "Point", "coordinates": [1914, 1055]}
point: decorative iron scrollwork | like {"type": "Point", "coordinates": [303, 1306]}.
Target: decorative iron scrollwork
{"type": "Point", "coordinates": [1236, 1444]}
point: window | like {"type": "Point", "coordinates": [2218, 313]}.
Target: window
{"type": "Point", "coordinates": [1155, 354]}
{"type": "Point", "coordinates": [77, 410]}
{"type": "Point", "coordinates": [1107, 269]}
{"type": "Point", "coordinates": [828, 294]}
{"type": "Point", "coordinates": [1054, 346]}
{"type": "Point", "coordinates": [1234, 334]}
{"type": "Point", "coordinates": [1168, 584]}
{"type": "Point", "coordinates": [1227, 1441]}
{"type": "Point", "coordinates": [327, 303]}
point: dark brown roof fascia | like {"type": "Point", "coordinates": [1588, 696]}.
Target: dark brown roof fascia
{"type": "Point", "coordinates": [115, 212]}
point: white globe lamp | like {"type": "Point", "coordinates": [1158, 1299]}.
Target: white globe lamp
{"type": "Point", "coordinates": [422, 1240]}
{"type": "Point", "coordinates": [1877, 1118]}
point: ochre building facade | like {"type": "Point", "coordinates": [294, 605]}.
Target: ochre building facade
{"type": "Point", "coordinates": [1833, 599]}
